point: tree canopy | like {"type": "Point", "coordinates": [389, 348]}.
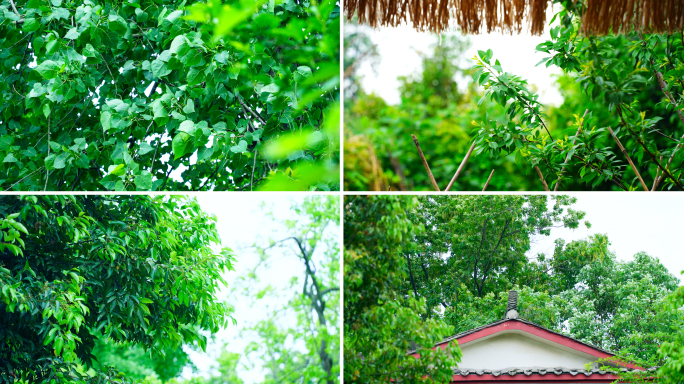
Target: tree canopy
{"type": "Point", "coordinates": [126, 269]}
{"type": "Point", "coordinates": [156, 95]}
{"type": "Point", "coordinates": [296, 336]}
{"type": "Point", "coordinates": [380, 324]}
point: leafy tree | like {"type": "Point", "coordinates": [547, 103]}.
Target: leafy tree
{"type": "Point", "coordinates": [313, 298]}
{"type": "Point", "coordinates": [151, 95]}
{"type": "Point", "coordinates": [619, 306]}
{"type": "Point", "coordinates": [297, 340]}
{"type": "Point", "coordinates": [133, 269]}
{"type": "Point", "coordinates": [138, 364]}
{"type": "Point", "coordinates": [434, 109]}
{"type": "Point", "coordinates": [478, 244]}
{"type": "Point", "coordinates": [380, 323]}
{"type": "Point", "coordinates": [619, 74]}
{"type": "Point", "coordinates": [672, 351]}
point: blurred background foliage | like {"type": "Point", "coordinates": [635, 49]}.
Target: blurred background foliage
{"type": "Point", "coordinates": [439, 106]}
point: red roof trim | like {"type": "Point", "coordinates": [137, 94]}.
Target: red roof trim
{"type": "Point", "coordinates": [537, 331]}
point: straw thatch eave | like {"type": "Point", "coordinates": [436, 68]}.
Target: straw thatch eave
{"type": "Point", "coordinates": [600, 17]}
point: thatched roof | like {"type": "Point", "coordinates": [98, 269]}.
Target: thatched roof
{"type": "Point", "coordinates": [599, 17]}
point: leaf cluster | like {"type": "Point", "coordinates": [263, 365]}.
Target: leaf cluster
{"type": "Point", "coordinates": [130, 269]}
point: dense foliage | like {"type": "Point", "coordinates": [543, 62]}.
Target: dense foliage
{"type": "Point", "coordinates": [127, 269]}
{"type": "Point", "coordinates": [619, 127]}
{"type": "Point", "coordinates": [380, 324]}
{"type": "Point", "coordinates": [151, 95]}
{"type": "Point", "coordinates": [479, 242]}
{"type": "Point", "coordinates": [379, 150]}
{"type": "Point", "coordinates": [614, 70]}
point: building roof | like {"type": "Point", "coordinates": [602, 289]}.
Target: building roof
{"type": "Point", "coordinates": [538, 374]}
{"type": "Point", "coordinates": [494, 324]}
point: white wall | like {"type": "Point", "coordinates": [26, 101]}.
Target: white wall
{"type": "Point", "coordinates": [517, 349]}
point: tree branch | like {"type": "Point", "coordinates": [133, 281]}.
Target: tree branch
{"type": "Point", "coordinates": [567, 158]}
{"type": "Point", "coordinates": [643, 145]}
{"type": "Point", "coordinates": [245, 106]}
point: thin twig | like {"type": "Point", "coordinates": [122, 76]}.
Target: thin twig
{"type": "Point", "coordinates": [245, 106]}
{"type": "Point", "coordinates": [110, 74]}
{"type": "Point", "coordinates": [567, 158]}
{"type": "Point", "coordinates": [541, 177]}
{"type": "Point", "coordinates": [487, 183]}
{"type": "Point", "coordinates": [657, 178]}
{"type": "Point", "coordinates": [251, 180]}
{"type": "Point", "coordinates": [460, 167]}
{"type": "Point", "coordinates": [155, 156]}
{"type": "Point", "coordinates": [14, 8]}
{"type": "Point", "coordinates": [629, 159]}
{"type": "Point", "coordinates": [643, 145]}
{"type": "Point", "coordinates": [24, 178]}
{"type": "Point", "coordinates": [427, 167]}
{"type": "Point", "coordinates": [47, 171]}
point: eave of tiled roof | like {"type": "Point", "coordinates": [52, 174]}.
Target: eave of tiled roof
{"type": "Point", "coordinates": [538, 371]}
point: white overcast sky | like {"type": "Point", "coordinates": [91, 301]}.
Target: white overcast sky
{"type": "Point", "coordinates": [634, 222]}
{"type": "Point", "coordinates": [398, 50]}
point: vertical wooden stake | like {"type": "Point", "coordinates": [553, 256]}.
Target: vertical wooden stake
{"type": "Point", "coordinates": [487, 183]}
{"type": "Point", "coordinates": [460, 167]}
{"type": "Point", "coordinates": [541, 177]}
{"type": "Point", "coordinates": [427, 167]}
{"type": "Point", "coordinates": [624, 152]}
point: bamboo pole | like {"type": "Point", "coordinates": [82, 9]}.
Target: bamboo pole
{"type": "Point", "coordinates": [624, 152]}
{"type": "Point", "coordinates": [460, 167]}
{"type": "Point", "coordinates": [487, 183]}
{"type": "Point", "coordinates": [427, 167]}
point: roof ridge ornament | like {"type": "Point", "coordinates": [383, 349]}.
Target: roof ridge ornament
{"type": "Point", "coordinates": [512, 309]}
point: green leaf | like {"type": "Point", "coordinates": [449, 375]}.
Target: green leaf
{"type": "Point", "coordinates": [31, 25]}
{"type": "Point", "coordinates": [195, 76]}
{"type": "Point", "coordinates": [179, 45]}
{"type": "Point", "coordinates": [89, 51]}
{"type": "Point", "coordinates": [105, 119]}
{"type": "Point", "coordinates": [72, 34]}
{"type": "Point", "coordinates": [271, 88]}
{"type": "Point", "coordinates": [189, 106]}
{"type": "Point", "coordinates": [60, 161]}
{"type": "Point", "coordinates": [159, 68]}
{"type": "Point", "coordinates": [117, 24]}
{"type": "Point", "coordinates": [48, 69]}
{"type": "Point", "coordinates": [118, 169]}
{"type": "Point", "coordinates": [9, 158]}
{"type": "Point", "coordinates": [181, 145]}
{"type": "Point", "coordinates": [301, 74]}
{"type": "Point", "coordinates": [46, 110]}
{"type": "Point", "coordinates": [241, 147]}
{"type": "Point", "coordinates": [145, 148]}
{"type": "Point", "coordinates": [144, 181]}
{"type": "Point", "coordinates": [173, 16]}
